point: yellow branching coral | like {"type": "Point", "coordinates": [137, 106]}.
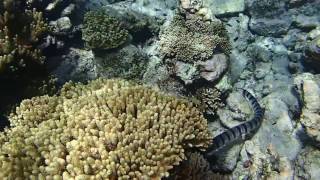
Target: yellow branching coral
{"type": "Point", "coordinates": [107, 129]}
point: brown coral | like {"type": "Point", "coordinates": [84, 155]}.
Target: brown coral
{"type": "Point", "coordinates": [108, 129]}
{"type": "Point", "coordinates": [196, 167]}
{"type": "Point", "coordinates": [209, 99]}
{"type": "Point", "coordinates": [192, 39]}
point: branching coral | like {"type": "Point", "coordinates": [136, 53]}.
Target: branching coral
{"type": "Point", "coordinates": [102, 31]}
{"type": "Point", "coordinates": [19, 32]}
{"type": "Point", "coordinates": [193, 39]}
{"type": "Point", "coordinates": [209, 99]}
{"type": "Point", "coordinates": [196, 167]}
{"type": "Point", "coordinates": [108, 129]}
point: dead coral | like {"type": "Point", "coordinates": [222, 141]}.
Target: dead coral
{"type": "Point", "coordinates": [191, 39]}
{"type": "Point", "coordinates": [107, 129]}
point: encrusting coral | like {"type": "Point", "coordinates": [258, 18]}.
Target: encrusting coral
{"type": "Point", "coordinates": [107, 129]}
{"type": "Point", "coordinates": [20, 29]}
{"type": "Point", "coordinates": [101, 31]}
{"type": "Point", "coordinates": [191, 39]}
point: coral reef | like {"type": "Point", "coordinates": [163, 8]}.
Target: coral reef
{"type": "Point", "coordinates": [127, 63]}
{"type": "Point", "coordinates": [20, 29]}
{"type": "Point", "coordinates": [21, 61]}
{"type": "Point", "coordinates": [101, 31]}
{"type": "Point", "coordinates": [209, 99]}
{"type": "Point", "coordinates": [196, 167]}
{"type": "Point", "coordinates": [191, 39]}
{"type": "Point", "coordinates": [107, 129]}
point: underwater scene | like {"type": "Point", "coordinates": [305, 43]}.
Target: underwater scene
{"type": "Point", "coordinates": [160, 89]}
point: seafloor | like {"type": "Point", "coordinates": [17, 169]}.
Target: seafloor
{"type": "Point", "coordinates": [138, 89]}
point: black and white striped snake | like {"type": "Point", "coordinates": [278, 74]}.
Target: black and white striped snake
{"type": "Point", "coordinates": [233, 134]}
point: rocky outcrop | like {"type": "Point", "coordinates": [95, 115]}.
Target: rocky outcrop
{"type": "Point", "coordinates": [310, 118]}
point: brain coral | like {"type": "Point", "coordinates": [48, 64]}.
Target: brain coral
{"type": "Point", "coordinates": [107, 129]}
{"type": "Point", "coordinates": [193, 39]}
{"type": "Point", "coordinates": [102, 31]}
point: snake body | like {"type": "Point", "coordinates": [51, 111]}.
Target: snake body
{"type": "Point", "coordinates": [240, 131]}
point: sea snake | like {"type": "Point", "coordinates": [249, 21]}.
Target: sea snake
{"type": "Point", "coordinates": [240, 131]}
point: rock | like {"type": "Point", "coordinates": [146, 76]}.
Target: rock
{"type": "Point", "coordinates": [310, 89]}
{"type": "Point", "coordinates": [225, 7]}
{"type": "Point", "coordinates": [280, 63]}
{"type": "Point", "coordinates": [63, 24]}
{"type": "Point", "coordinates": [128, 62]}
{"type": "Point", "coordinates": [295, 40]}
{"type": "Point", "coordinates": [153, 8]}
{"type": "Point", "coordinates": [238, 62]}
{"type": "Point", "coordinates": [186, 72]}
{"type": "Point", "coordinates": [269, 18]}
{"type": "Point", "coordinates": [77, 66]}
{"type": "Point", "coordinates": [226, 161]}
{"type": "Point", "coordinates": [313, 50]}
{"type": "Point", "coordinates": [307, 22]}
{"type": "Point", "coordinates": [264, 48]}
{"type": "Point", "coordinates": [296, 3]}
{"type": "Point", "coordinates": [236, 111]}
{"type": "Point", "coordinates": [239, 33]}
{"type": "Point", "coordinates": [211, 70]}
{"type": "Point", "coordinates": [308, 164]}
{"type": "Point", "coordinates": [266, 8]}
{"type": "Point", "coordinates": [68, 10]}
{"type": "Point", "coordinates": [314, 33]}
{"type": "Point", "coordinates": [156, 71]}
{"type": "Point", "coordinates": [262, 70]}
{"type": "Point", "coordinates": [273, 148]}
{"type": "Point", "coordinates": [191, 6]}
{"type": "Point", "coordinates": [270, 26]}
{"type": "Point", "coordinates": [53, 5]}
{"type": "Point", "coordinates": [225, 83]}
{"type": "Point", "coordinates": [258, 164]}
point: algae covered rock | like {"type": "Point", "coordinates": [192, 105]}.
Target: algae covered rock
{"type": "Point", "coordinates": [308, 164]}
{"type": "Point", "coordinates": [101, 31]}
{"type": "Point", "coordinates": [107, 129]}
{"type": "Point", "coordinates": [128, 62]}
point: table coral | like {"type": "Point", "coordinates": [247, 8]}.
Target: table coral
{"type": "Point", "coordinates": [107, 129]}
{"type": "Point", "coordinates": [102, 31]}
